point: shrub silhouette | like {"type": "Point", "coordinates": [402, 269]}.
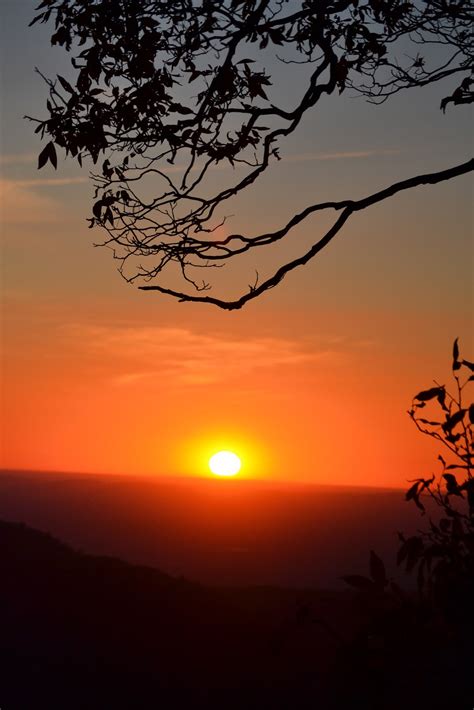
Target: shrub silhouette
{"type": "Point", "coordinates": [415, 647]}
{"type": "Point", "coordinates": [443, 554]}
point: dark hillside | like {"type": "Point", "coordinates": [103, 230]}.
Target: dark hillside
{"type": "Point", "coordinates": [81, 631]}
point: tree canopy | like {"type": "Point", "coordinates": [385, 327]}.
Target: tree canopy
{"type": "Point", "coordinates": [165, 92]}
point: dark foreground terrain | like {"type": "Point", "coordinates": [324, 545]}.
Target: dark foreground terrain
{"type": "Point", "coordinates": [79, 631]}
{"type": "Point", "coordinates": [82, 632]}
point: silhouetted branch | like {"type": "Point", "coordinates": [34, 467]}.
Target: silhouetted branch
{"type": "Point", "coordinates": [166, 92]}
{"type": "Point", "coordinates": [347, 207]}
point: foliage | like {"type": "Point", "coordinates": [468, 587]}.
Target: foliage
{"type": "Point", "coordinates": [431, 631]}
{"type": "Point", "coordinates": [443, 555]}
{"type": "Point", "coordinates": [162, 93]}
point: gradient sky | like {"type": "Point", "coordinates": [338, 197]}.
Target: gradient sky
{"type": "Point", "coordinates": [312, 381]}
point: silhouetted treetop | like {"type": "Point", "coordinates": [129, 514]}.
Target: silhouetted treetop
{"type": "Point", "coordinates": [164, 92]}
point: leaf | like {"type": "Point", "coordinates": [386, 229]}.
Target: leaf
{"type": "Point", "coordinates": [418, 503]}
{"type": "Point", "coordinates": [453, 420]}
{"type": "Point", "coordinates": [456, 350]}
{"type": "Point", "coordinates": [97, 209]}
{"type": "Point", "coordinates": [426, 395]}
{"type": "Point", "coordinates": [456, 363]}
{"type": "Point", "coordinates": [36, 19]}
{"type": "Point", "coordinates": [183, 110]}
{"type": "Point", "coordinates": [442, 399]}
{"type": "Point", "coordinates": [412, 491]}
{"type": "Point", "coordinates": [377, 570]}
{"type": "Point", "coordinates": [48, 153]}
{"type": "Point", "coordinates": [359, 582]}
{"type": "Point", "coordinates": [276, 36]}
{"type": "Point", "coordinates": [61, 37]}
{"type": "Point", "coordinates": [468, 364]}
{"type": "Point", "coordinates": [108, 216]}
{"type": "Point", "coordinates": [65, 84]}
{"type": "Point", "coordinates": [451, 483]}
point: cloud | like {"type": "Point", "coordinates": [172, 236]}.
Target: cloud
{"type": "Point", "coordinates": [21, 205]}
{"type": "Point", "coordinates": [18, 158]}
{"type": "Point", "coordinates": [46, 182]}
{"type": "Point", "coordinates": [341, 155]}
{"type": "Point", "coordinates": [179, 355]}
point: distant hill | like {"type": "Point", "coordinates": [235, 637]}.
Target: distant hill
{"type": "Point", "coordinates": [218, 532]}
{"type": "Point", "coordinates": [80, 632]}
{"type": "Point", "coordinates": [85, 632]}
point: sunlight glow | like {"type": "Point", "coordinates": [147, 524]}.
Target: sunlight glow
{"type": "Point", "coordinates": [225, 463]}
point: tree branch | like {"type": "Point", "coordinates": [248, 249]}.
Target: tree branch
{"type": "Point", "coordinates": [348, 207]}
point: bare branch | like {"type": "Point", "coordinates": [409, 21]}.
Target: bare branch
{"type": "Point", "coordinates": [347, 207]}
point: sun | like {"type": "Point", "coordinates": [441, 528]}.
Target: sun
{"type": "Point", "coordinates": [225, 463]}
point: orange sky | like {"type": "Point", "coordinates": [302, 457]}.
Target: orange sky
{"type": "Point", "coordinates": [129, 387]}
{"type": "Point", "coordinates": [310, 383]}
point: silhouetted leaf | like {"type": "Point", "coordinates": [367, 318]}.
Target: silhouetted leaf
{"type": "Point", "coordinates": [38, 18]}
{"type": "Point", "coordinates": [453, 420]}
{"type": "Point", "coordinates": [108, 216]}
{"type": "Point", "coordinates": [451, 483]}
{"type": "Point", "coordinates": [61, 37]}
{"type": "Point", "coordinates": [48, 153]}
{"type": "Point", "coordinates": [456, 350]}
{"type": "Point", "coordinates": [468, 364]}
{"type": "Point", "coordinates": [456, 363]}
{"type": "Point", "coordinates": [65, 84]}
{"type": "Point", "coordinates": [97, 209]}
{"type": "Point", "coordinates": [412, 491]}
{"type": "Point", "coordinates": [426, 395]}
{"type": "Point", "coordinates": [441, 397]}
{"type": "Point", "coordinates": [418, 503]}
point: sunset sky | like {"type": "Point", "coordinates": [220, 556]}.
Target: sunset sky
{"type": "Point", "coordinates": [309, 383]}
